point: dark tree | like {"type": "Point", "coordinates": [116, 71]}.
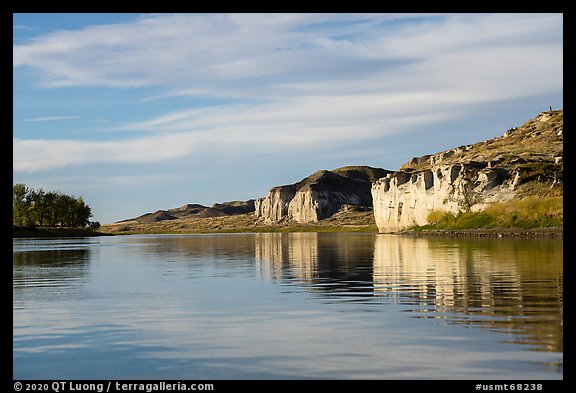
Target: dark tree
{"type": "Point", "coordinates": [19, 200]}
{"type": "Point", "coordinates": [33, 207]}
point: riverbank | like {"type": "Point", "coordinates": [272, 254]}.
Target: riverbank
{"type": "Point", "coordinates": [247, 223]}
{"type": "Point", "coordinates": [19, 232]}
{"type": "Point", "coordinates": [487, 232]}
{"type": "Point", "coordinates": [529, 217]}
{"type": "Point", "coordinates": [241, 223]}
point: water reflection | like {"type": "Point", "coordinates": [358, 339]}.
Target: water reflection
{"type": "Point", "coordinates": [204, 247]}
{"type": "Point", "coordinates": [327, 263]}
{"type": "Point", "coordinates": [513, 286]}
{"type": "Point", "coordinates": [59, 264]}
{"type": "Point", "coordinates": [316, 306]}
{"type": "Point", "coordinates": [51, 258]}
{"type": "Point", "coordinates": [57, 269]}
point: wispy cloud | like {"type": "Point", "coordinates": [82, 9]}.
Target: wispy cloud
{"type": "Point", "coordinates": [51, 118]}
{"type": "Point", "coordinates": [295, 80]}
{"type": "Point", "coordinates": [23, 27]}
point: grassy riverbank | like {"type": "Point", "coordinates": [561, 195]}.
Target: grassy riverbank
{"type": "Point", "coordinates": [526, 213]}
{"type": "Point", "coordinates": [531, 216]}
{"type": "Point", "coordinates": [348, 221]}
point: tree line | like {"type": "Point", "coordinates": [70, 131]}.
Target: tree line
{"type": "Point", "coordinates": [32, 207]}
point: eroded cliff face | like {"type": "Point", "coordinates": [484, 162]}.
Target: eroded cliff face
{"type": "Point", "coordinates": [319, 195]}
{"type": "Point", "coordinates": [470, 178]}
{"type": "Point", "coordinates": [274, 207]}
{"type": "Point", "coordinates": [403, 199]}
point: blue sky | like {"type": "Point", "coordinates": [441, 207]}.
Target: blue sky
{"type": "Point", "coordinates": [137, 113]}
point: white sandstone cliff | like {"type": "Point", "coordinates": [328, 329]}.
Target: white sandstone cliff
{"type": "Point", "coordinates": [274, 207]}
{"type": "Point", "coordinates": [403, 199]}
{"type": "Point", "coordinates": [303, 206]}
{"type": "Point", "coordinates": [319, 196]}
{"type": "Point", "coordinates": [471, 177]}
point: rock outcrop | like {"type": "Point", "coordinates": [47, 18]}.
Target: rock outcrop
{"type": "Point", "coordinates": [319, 195]}
{"type": "Point", "coordinates": [404, 199]}
{"type": "Point", "coordinates": [470, 178]}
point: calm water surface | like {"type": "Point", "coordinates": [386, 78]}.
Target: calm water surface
{"type": "Point", "coordinates": [287, 306]}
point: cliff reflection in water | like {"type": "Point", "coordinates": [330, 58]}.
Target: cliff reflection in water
{"type": "Point", "coordinates": [330, 263]}
{"type": "Point", "coordinates": [509, 285]}
{"type": "Point", "coordinates": [513, 286]}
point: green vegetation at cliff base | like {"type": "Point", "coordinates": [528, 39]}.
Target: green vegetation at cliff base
{"type": "Point", "coordinates": [526, 213]}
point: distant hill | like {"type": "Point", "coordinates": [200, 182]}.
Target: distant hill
{"type": "Point", "coordinates": [196, 210]}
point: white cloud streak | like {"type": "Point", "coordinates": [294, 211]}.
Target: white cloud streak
{"type": "Point", "coordinates": [297, 80]}
{"type": "Point", "coordinates": [51, 118]}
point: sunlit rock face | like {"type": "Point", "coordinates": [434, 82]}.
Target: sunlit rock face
{"type": "Point", "coordinates": [403, 199]}
{"type": "Point", "coordinates": [471, 177]}
{"type": "Point", "coordinates": [319, 195]}
{"type": "Point", "coordinates": [274, 207]}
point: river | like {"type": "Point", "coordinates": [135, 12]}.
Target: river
{"type": "Point", "coordinates": [287, 306]}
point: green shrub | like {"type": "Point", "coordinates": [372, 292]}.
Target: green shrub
{"type": "Point", "coordinates": [474, 220]}
{"type": "Point", "coordinates": [440, 217]}
{"type": "Point", "coordinates": [94, 225]}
